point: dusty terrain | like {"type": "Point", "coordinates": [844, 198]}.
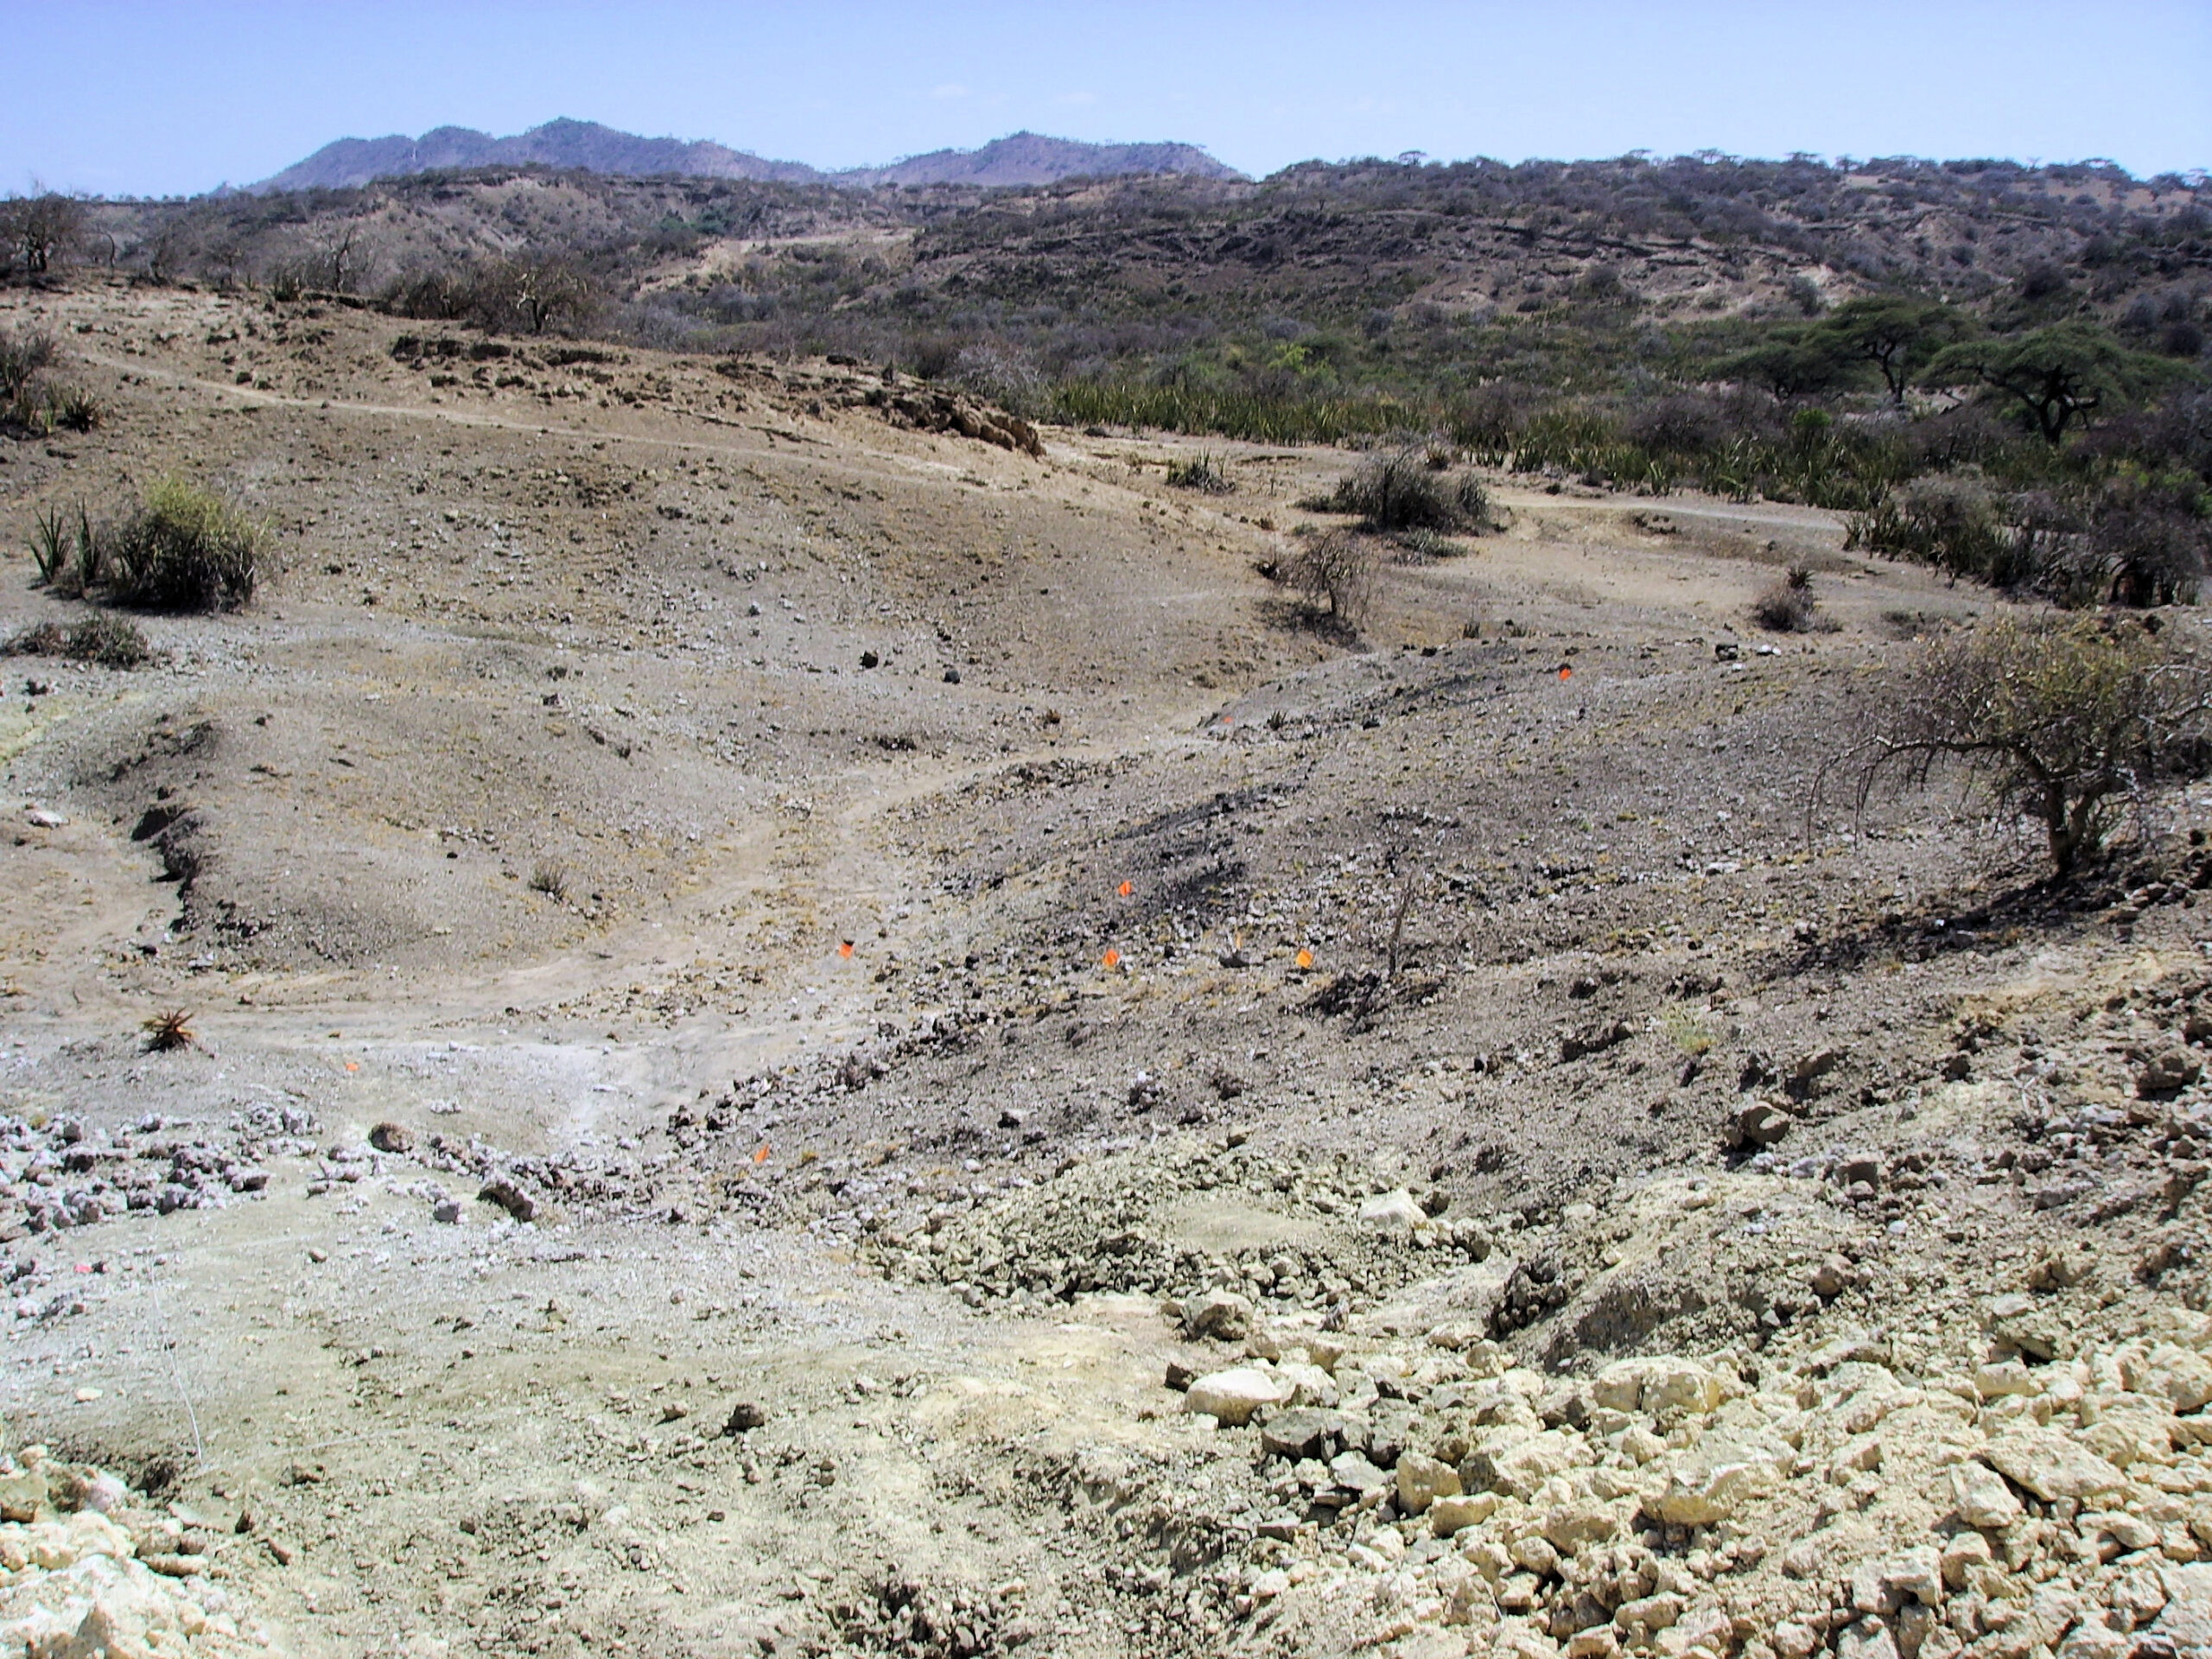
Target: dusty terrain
{"type": "Point", "coordinates": [768, 981]}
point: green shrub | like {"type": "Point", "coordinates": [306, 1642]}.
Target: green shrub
{"type": "Point", "coordinates": [1953, 521]}
{"type": "Point", "coordinates": [184, 549]}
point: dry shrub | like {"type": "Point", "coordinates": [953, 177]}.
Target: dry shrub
{"type": "Point", "coordinates": [24, 353]}
{"type": "Point", "coordinates": [104, 641]}
{"type": "Point", "coordinates": [1204, 475]}
{"type": "Point", "coordinates": [2062, 721]}
{"type": "Point", "coordinates": [1789, 606]}
{"type": "Point", "coordinates": [1336, 572]}
{"type": "Point", "coordinates": [1408, 490]}
{"type": "Point", "coordinates": [168, 1030]}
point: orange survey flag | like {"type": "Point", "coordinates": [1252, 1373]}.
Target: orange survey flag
{"type": "Point", "coordinates": [1305, 958]}
{"type": "Point", "coordinates": [1126, 888]}
{"type": "Point", "coordinates": [1566, 673]}
{"type": "Point", "coordinates": [761, 1156]}
{"type": "Point", "coordinates": [844, 947]}
{"type": "Point", "coordinates": [1112, 959]}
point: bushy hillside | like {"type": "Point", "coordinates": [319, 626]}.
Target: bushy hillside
{"type": "Point", "coordinates": [2035, 337]}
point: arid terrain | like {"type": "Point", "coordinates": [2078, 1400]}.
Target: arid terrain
{"type": "Point", "coordinates": [817, 1034]}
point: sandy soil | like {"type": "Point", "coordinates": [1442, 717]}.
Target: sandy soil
{"type": "Point", "coordinates": [704, 806]}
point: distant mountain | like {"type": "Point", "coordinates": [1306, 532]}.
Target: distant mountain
{"type": "Point", "coordinates": [1032, 158]}
{"type": "Point", "coordinates": [562, 143]}
{"type": "Point", "coordinates": [1022, 158]}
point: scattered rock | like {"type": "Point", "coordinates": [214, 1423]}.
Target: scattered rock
{"type": "Point", "coordinates": [2051, 1464]}
{"type": "Point", "coordinates": [2166, 1073]}
{"type": "Point", "coordinates": [509, 1197]}
{"type": "Point", "coordinates": [1232, 1397]}
{"type": "Point", "coordinates": [1221, 1315]}
{"type": "Point", "coordinates": [1394, 1212]}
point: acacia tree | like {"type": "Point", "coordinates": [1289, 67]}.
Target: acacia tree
{"type": "Point", "coordinates": [1793, 363]}
{"type": "Point", "coordinates": [1897, 333]}
{"type": "Point", "coordinates": [2058, 373]}
{"type": "Point", "coordinates": [2062, 721]}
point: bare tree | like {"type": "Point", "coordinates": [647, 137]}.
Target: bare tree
{"type": "Point", "coordinates": [542, 290]}
{"type": "Point", "coordinates": [43, 227]}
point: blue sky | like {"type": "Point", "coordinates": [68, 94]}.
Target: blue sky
{"type": "Point", "coordinates": [138, 96]}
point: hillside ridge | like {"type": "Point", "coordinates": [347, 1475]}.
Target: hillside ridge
{"type": "Point", "coordinates": [1020, 158]}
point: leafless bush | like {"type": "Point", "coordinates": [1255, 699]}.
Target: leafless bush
{"type": "Point", "coordinates": [1000, 375]}
{"type": "Point", "coordinates": [1336, 572]}
{"type": "Point", "coordinates": [40, 228]}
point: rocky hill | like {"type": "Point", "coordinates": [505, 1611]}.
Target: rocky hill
{"type": "Point", "coordinates": [1022, 158]}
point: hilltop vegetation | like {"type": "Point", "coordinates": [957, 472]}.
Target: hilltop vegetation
{"type": "Point", "coordinates": [2033, 337]}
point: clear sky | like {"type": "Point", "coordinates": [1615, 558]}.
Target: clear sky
{"type": "Point", "coordinates": [163, 97]}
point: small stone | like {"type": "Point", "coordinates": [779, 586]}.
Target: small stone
{"type": "Point", "coordinates": [1967, 1551]}
{"type": "Point", "coordinates": [1351, 1469]}
{"type": "Point", "coordinates": [1916, 1573]}
{"type": "Point", "coordinates": [2180, 1378]}
{"type": "Point", "coordinates": [1980, 1497]}
{"type": "Point", "coordinates": [1179, 1375]}
{"type": "Point", "coordinates": [21, 1497]}
{"type": "Point", "coordinates": [1832, 1278]}
{"type": "Point", "coordinates": [1759, 1124]}
{"type": "Point", "coordinates": [1573, 1528]}
{"type": "Point", "coordinates": [1535, 1553]}
{"type": "Point", "coordinates": [1711, 1487]}
{"type": "Point", "coordinates": [1641, 1618]}
{"type": "Point", "coordinates": [1868, 1638]}
{"type": "Point", "coordinates": [1306, 1385]}
{"type": "Point", "coordinates": [391, 1137]}
{"type": "Point", "coordinates": [1454, 1514]}
{"type": "Point", "coordinates": [447, 1212]}
{"type": "Point", "coordinates": [744, 1418]}
{"type": "Point", "coordinates": [1232, 1397]}
{"type": "Point", "coordinates": [2095, 1638]}
{"type": "Point", "coordinates": [45, 817]}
